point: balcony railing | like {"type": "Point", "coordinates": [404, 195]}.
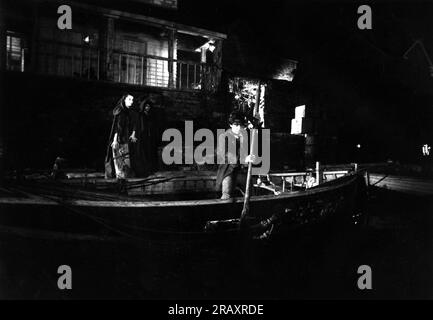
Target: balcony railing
{"type": "Point", "coordinates": [155, 71]}
{"type": "Point", "coordinates": [189, 75]}
{"type": "Point", "coordinates": [125, 67]}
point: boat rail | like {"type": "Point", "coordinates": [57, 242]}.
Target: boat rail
{"type": "Point", "coordinates": [299, 179]}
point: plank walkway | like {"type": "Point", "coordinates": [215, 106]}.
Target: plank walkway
{"type": "Point", "coordinates": [409, 185]}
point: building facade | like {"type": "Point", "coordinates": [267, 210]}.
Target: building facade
{"type": "Point", "coordinates": [62, 81]}
{"type": "Point", "coordinates": [110, 45]}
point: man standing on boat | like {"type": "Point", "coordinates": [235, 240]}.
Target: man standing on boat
{"type": "Point", "coordinates": [231, 171]}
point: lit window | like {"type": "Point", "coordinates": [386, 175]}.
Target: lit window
{"type": "Point", "coordinates": [15, 48]}
{"type": "Point", "coordinates": [426, 150]}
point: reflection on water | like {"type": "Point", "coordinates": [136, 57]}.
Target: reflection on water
{"type": "Point", "coordinates": [397, 244]}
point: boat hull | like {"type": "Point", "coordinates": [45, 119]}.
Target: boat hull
{"type": "Point", "coordinates": [337, 200]}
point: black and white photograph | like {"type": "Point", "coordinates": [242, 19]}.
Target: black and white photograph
{"type": "Point", "coordinates": [216, 154]}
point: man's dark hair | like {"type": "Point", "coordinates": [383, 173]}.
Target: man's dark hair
{"type": "Point", "coordinates": [237, 117]}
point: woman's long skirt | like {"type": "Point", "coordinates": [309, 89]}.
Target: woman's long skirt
{"type": "Point", "coordinates": [122, 162]}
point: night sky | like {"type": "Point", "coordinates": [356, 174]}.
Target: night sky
{"type": "Point", "coordinates": [383, 101]}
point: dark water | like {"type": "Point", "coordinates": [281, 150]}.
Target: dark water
{"type": "Point", "coordinates": [397, 243]}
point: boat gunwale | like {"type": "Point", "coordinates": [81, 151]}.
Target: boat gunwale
{"type": "Point", "coordinates": [47, 200]}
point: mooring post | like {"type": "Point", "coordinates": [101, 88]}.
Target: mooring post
{"type": "Point", "coordinates": [367, 178]}
{"type": "Point", "coordinates": [319, 176]}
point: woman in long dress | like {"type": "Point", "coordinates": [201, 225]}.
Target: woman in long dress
{"type": "Point", "coordinates": [123, 132]}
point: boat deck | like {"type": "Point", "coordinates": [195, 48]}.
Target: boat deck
{"type": "Point", "coordinates": [163, 185]}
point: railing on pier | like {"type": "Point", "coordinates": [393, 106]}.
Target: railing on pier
{"type": "Point", "coordinates": [84, 61]}
{"type": "Point", "coordinates": [404, 184]}
{"type": "Point", "coordinates": [299, 179]}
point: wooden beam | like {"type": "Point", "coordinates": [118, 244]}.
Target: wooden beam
{"type": "Point", "coordinates": [106, 61]}
{"type": "Point", "coordinates": [35, 38]}
{"type": "Point", "coordinates": [149, 21]}
{"type": "Point", "coordinates": [3, 51]}
{"type": "Point", "coordinates": [171, 39]}
{"type": "Point", "coordinates": [203, 55]}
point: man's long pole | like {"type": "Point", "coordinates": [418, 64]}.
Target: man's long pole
{"type": "Point", "coordinates": [247, 195]}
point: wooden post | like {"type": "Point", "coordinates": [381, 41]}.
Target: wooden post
{"type": "Point", "coordinates": [217, 53]}
{"type": "Point", "coordinates": [319, 176]}
{"type": "Point", "coordinates": [203, 71]}
{"type": "Point", "coordinates": [35, 39]}
{"type": "Point", "coordinates": [203, 55]}
{"type": "Point", "coordinates": [3, 53]}
{"type": "Point", "coordinates": [367, 178]}
{"type": "Point", "coordinates": [107, 45]}
{"type": "Point", "coordinates": [217, 60]}
{"type": "Point", "coordinates": [171, 39]}
{"type": "Point", "coordinates": [246, 207]}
